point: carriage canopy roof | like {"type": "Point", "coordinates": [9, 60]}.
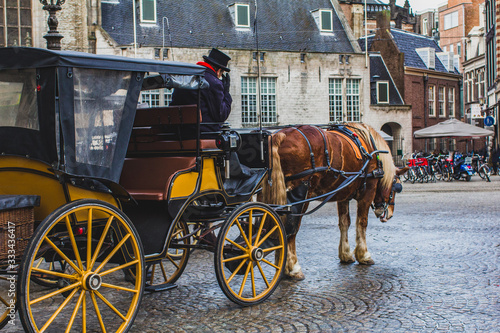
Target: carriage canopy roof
{"type": "Point", "coordinates": [76, 110]}
{"type": "Point", "coordinates": [27, 57]}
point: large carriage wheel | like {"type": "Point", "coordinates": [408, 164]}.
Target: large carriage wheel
{"type": "Point", "coordinates": [163, 273]}
{"type": "Point", "coordinates": [250, 254]}
{"type": "Point", "coordinates": [92, 293]}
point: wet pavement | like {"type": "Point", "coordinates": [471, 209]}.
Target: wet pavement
{"type": "Point", "coordinates": [436, 269]}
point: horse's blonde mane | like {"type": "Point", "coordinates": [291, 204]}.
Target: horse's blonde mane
{"type": "Point", "coordinates": [364, 131]}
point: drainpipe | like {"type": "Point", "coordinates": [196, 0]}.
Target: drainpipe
{"type": "Point", "coordinates": [366, 38]}
{"type": "Point", "coordinates": [135, 28]}
{"type": "Point", "coordinates": [426, 103]}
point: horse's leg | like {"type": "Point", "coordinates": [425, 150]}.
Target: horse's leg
{"type": "Point", "coordinates": [361, 251]}
{"type": "Point", "coordinates": [292, 267]}
{"type": "Point", "coordinates": [345, 254]}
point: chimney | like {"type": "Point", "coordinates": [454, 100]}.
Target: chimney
{"type": "Point", "coordinates": [383, 23]}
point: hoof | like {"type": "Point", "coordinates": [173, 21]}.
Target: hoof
{"type": "Point", "coordinates": [347, 261]}
{"type": "Point", "coordinates": [296, 277]}
{"type": "Point", "coordinates": [367, 262]}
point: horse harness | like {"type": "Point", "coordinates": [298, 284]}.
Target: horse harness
{"type": "Point", "coordinates": [297, 197]}
{"type": "Point", "coordinates": [346, 133]}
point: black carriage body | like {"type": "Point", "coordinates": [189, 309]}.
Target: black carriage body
{"type": "Point", "coordinates": [73, 110]}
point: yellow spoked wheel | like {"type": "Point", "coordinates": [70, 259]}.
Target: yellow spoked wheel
{"type": "Point", "coordinates": [100, 246]}
{"type": "Point", "coordinates": [166, 271]}
{"type": "Point", "coordinates": [7, 298]}
{"type": "Point", "coordinates": [52, 264]}
{"type": "Point", "coordinates": [250, 254]}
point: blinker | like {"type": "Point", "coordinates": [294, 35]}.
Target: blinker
{"type": "Point", "coordinates": [397, 187]}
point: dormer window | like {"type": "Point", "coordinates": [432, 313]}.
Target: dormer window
{"type": "Point", "coordinates": [428, 56]}
{"type": "Point", "coordinates": [148, 11]}
{"type": "Point", "coordinates": [324, 19]}
{"type": "Point", "coordinates": [382, 92]}
{"type": "Point", "coordinates": [241, 15]}
{"type": "Point", "coordinates": [447, 60]}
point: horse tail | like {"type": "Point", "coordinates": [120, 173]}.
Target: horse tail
{"type": "Point", "coordinates": [274, 192]}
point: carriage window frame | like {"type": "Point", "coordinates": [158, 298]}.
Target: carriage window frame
{"type": "Point", "coordinates": [98, 113]}
{"type": "Point", "coordinates": [22, 110]}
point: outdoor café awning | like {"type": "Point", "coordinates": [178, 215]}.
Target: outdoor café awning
{"type": "Point", "coordinates": [452, 128]}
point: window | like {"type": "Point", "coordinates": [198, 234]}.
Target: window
{"type": "Point", "coordinates": [249, 100]}
{"type": "Point", "coordinates": [459, 49]}
{"type": "Point", "coordinates": [148, 11]}
{"type": "Point", "coordinates": [335, 95]}
{"type": "Point", "coordinates": [432, 98]}
{"type": "Point", "coordinates": [352, 100]}
{"type": "Point", "coordinates": [242, 16]}
{"type": "Point", "coordinates": [482, 91]}
{"type": "Point", "coordinates": [98, 111]}
{"type": "Point", "coordinates": [451, 102]}
{"type": "Point", "coordinates": [428, 56]}
{"type": "Point", "coordinates": [326, 23]}
{"type": "Point", "coordinates": [249, 112]}
{"type": "Point", "coordinates": [382, 92]}
{"type": "Point", "coordinates": [432, 144]}
{"type": "Point", "coordinates": [451, 20]}
{"type": "Point", "coordinates": [424, 27]}
{"type": "Point", "coordinates": [156, 98]}
{"type": "Point", "coordinates": [442, 145]}
{"type": "Point", "coordinates": [441, 102]}
{"type": "Point", "coordinates": [15, 23]}
{"type": "Point", "coordinates": [18, 99]}
{"type": "Point", "coordinates": [453, 144]}
{"type": "Point", "coordinates": [268, 100]}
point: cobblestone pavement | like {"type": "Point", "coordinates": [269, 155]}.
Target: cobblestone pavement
{"type": "Point", "coordinates": [437, 269]}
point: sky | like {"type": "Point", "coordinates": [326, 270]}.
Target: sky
{"type": "Point", "coordinates": [419, 5]}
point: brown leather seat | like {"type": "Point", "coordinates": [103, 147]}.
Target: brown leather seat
{"type": "Point", "coordinates": [148, 178]}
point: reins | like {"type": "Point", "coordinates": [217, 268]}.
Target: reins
{"type": "Point", "coordinates": [350, 176]}
{"type": "Point", "coordinates": [328, 196]}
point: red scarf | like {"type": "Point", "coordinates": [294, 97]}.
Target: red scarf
{"type": "Point", "coordinates": [202, 63]}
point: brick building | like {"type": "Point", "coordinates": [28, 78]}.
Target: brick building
{"type": "Point", "coordinates": [455, 22]}
{"type": "Point", "coordinates": [425, 76]}
{"type": "Point", "coordinates": [492, 33]}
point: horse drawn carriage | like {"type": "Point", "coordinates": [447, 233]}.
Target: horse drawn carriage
{"type": "Point", "coordinates": [115, 197]}
{"type": "Point", "coordinates": [118, 193]}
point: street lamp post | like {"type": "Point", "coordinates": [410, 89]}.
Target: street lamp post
{"type": "Point", "coordinates": [53, 36]}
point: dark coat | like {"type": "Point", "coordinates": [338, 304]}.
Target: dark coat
{"type": "Point", "coordinates": [215, 102]}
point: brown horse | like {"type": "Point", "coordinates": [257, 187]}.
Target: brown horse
{"type": "Point", "coordinates": [309, 162]}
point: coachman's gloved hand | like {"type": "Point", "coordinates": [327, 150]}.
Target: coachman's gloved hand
{"type": "Point", "coordinates": [226, 81]}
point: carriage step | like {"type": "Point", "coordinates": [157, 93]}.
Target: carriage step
{"type": "Point", "coordinates": [160, 287]}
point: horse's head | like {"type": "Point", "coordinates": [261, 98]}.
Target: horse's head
{"type": "Point", "coordinates": [386, 196]}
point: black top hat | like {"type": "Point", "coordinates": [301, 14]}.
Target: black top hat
{"type": "Point", "coordinates": [218, 58]}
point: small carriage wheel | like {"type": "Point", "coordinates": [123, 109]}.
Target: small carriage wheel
{"type": "Point", "coordinates": [6, 298]}
{"type": "Point", "coordinates": [100, 246]}
{"type": "Point", "coordinates": [169, 269]}
{"type": "Point", "coordinates": [250, 255]}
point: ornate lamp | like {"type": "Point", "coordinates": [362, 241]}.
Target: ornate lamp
{"type": "Point", "coordinates": [53, 37]}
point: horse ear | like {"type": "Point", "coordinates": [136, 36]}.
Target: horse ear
{"type": "Point", "coordinates": [400, 172]}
